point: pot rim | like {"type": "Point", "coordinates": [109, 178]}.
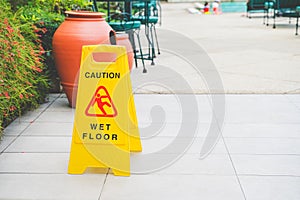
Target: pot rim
{"type": "Point", "coordinates": [84, 14]}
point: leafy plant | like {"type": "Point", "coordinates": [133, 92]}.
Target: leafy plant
{"type": "Point", "coordinates": [26, 31]}
{"type": "Point", "coordinates": [48, 15]}
{"type": "Point", "coordinates": [22, 83]}
{"type": "Point", "coordinates": [47, 23]}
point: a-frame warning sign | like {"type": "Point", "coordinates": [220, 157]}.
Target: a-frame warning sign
{"type": "Point", "coordinates": [105, 126]}
{"type": "Point", "coordinates": [101, 104]}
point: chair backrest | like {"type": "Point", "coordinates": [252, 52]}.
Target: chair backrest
{"type": "Point", "coordinates": [287, 4]}
{"type": "Point", "coordinates": [255, 4]}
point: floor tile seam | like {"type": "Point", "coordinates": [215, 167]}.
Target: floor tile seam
{"type": "Point", "coordinates": [234, 169]}
{"type": "Point", "coordinates": [190, 174]}
{"type": "Point", "coordinates": [142, 138]}
{"type": "Point", "coordinates": [38, 135]}
{"type": "Point", "coordinates": [35, 152]}
{"type": "Point", "coordinates": [103, 185]}
{"type": "Point", "coordinates": [32, 173]}
{"type": "Point", "coordinates": [190, 122]}
{"type": "Point", "coordinates": [132, 153]}
{"type": "Point", "coordinates": [294, 155]}
{"type": "Point", "coordinates": [28, 125]}
{"type": "Point", "coordinates": [249, 137]}
{"type": "Point", "coordinates": [261, 123]}
{"type": "Point", "coordinates": [48, 136]}
{"type": "Point", "coordinates": [171, 123]}
{"type": "Point", "coordinates": [180, 174]}
{"type": "Point", "coordinates": [154, 174]}
{"type": "Point", "coordinates": [197, 155]}
{"type": "Point", "coordinates": [269, 175]}
{"type": "Point", "coordinates": [152, 92]}
{"type": "Point", "coordinates": [263, 154]}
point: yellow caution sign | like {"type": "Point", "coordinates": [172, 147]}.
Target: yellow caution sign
{"type": "Point", "coordinates": [105, 126]}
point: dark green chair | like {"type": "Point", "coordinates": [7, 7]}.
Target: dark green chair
{"type": "Point", "coordinates": [122, 22]}
{"type": "Point", "coordinates": [293, 13]}
{"type": "Point", "coordinates": [283, 8]}
{"type": "Point", "coordinates": [149, 15]}
{"type": "Point", "coordinates": [255, 6]}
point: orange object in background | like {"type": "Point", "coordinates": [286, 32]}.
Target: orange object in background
{"type": "Point", "coordinates": [123, 40]}
{"type": "Point", "coordinates": [78, 29]}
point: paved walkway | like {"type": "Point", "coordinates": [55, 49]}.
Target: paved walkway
{"type": "Point", "coordinates": [257, 144]}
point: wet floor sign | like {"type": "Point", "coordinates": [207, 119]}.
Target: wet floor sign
{"type": "Point", "coordinates": [105, 126]}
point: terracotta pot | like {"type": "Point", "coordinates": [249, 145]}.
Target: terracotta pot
{"type": "Point", "coordinates": [78, 29]}
{"type": "Point", "coordinates": [123, 40]}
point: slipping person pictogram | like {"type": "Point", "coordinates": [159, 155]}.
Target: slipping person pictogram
{"type": "Point", "coordinates": [101, 104]}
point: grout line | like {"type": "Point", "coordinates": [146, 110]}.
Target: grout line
{"type": "Point", "coordinates": [31, 173]}
{"type": "Point", "coordinates": [249, 137]}
{"type": "Point", "coordinates": [34, 152]}
{"type": "Point", "coordinates": [235, 171]}
{"type": "Point", "coordinates": [38, 135]}
{"type": "Point", "coordinates": [29, 124]}
{"type": "Point", "coordinates": [264, 154]}
{"type": "Point", "coordinates": [271, 175]}
{"type": "Point", "coordinates": [99, 198]}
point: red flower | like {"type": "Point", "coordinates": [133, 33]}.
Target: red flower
{"type": "Point", "coordinates": [21, 96]}
{"type": "Point", "coordinates": [12, 108]}
{"type": "Point", "coordinates": [37, 69]}
{"type": "Point", "coordinates": [6, 21]}
{"type": "Point", "coordinates": [7, 95]}
{"type": "Point", "coordinates": [44, 30]}
{"type": "Point", "coordinates": [9, 29]}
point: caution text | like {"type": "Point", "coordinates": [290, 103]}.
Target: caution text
{"type": "Point", "coordinates": [109, 75]}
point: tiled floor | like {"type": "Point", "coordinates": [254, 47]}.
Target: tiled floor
{"type": "Point", "coordinates": [194, 146]}
{"type": "Point", "coordinates": [255, 157]}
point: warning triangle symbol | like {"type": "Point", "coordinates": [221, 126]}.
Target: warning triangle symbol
{"type": "Point", "coordinates": [101, 104]}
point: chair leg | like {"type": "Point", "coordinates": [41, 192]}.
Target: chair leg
{"type": "Point", "coordinates": [152, 53]}
{"type": "Point", "coordinates": [134, 48]}
{"type": "Point", "coordinates": [152, 46]}
{"type": "Point", "coordinates": [141, 51]}
{"type": "Point", "coordinates": [150, 43]}
{"type": "Point", "coordinates": [147, 33]}
{"type": "Point", "coordinates": [297, 25]}
{"type": "Point", "coordinates": [268, 17]}
{"type": "Point", "coordinates": [274, 16]}
{"type": "Point", "coordinates": [132, 41]}
{"type": "Point", "coordinates": [158, 50]}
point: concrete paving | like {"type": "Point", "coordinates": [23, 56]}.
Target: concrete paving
{"type": "Point", "coordinates": [249, 57]}
{"type": "Point", "coordinates": [203, 135]}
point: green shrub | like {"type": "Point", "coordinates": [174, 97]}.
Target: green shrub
{"type": "Point", "coordinates": [23, 85]}
{"type": "Point", "coordinates": [26, 31]}
{"type": "Point", "coordinates": [48, 15]}
{"type": "Point", "coordinates": [47, 22]}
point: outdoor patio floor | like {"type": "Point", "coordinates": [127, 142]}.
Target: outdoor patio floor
{"type": "Point", "coordinates": [224, 74]}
